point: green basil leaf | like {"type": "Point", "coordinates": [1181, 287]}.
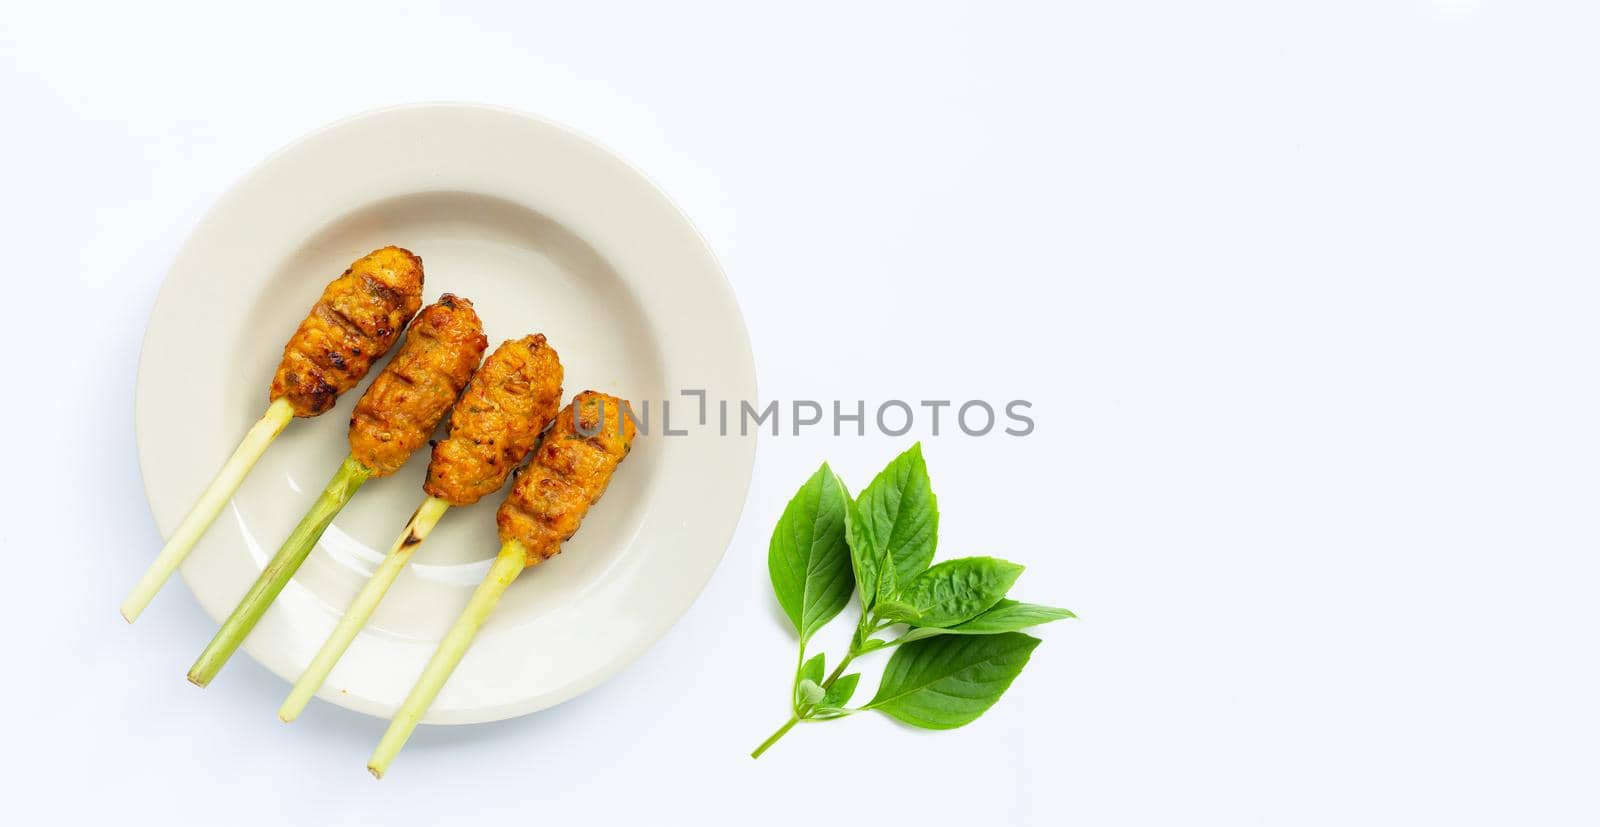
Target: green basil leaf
{"type": "Point", "coordinates": [809, 692]}
{"type": "Point", "coordinates": [870, 644]}
{"type": "Point", "coordinates": [865, 559]}
{"type": "Point", "coordinates": [1006, 616]}
{"type": "Point", "coordinates": [897, 524]}
{"type": "Point", "coordinates": [807, 558]}
{"type": "Point", "coordinates": [956, 591]}
{"type": "Point", "coordinates": [839, 694]}
{"type": "Point", "coordinates": [898, 610]}
{"type": "Point", "coordinates": [1010, 616]}
{"type": "Point", "coordinates": [809, 672]}
{"type": "Point", "coordinates": [948, 681]}
{"type": "Point", "coordinates": [812, 669]}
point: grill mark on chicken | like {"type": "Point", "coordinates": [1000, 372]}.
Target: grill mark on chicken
{"type": "Point", "coordinates": [355, 321]}
{"type": "Point", "coordinates": [399, 411]}
{"type": "Point", "coordinates": [569, 473]}
{"type": "Point", "coordinates": [337, 317]}
{"type": "Point", "coordinates": [384, 292]}
{"type": "Point", "coordinates": [498, 419]}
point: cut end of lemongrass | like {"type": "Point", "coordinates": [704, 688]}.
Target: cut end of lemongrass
{"type": "Point", "coordinates": [205, 510]}
{"type": "Point", "coordinates": [507, 565]}
{"type": "Point", "coordinates": [376, 773]}
{"type": "Point", "coordinates": [278, 571]}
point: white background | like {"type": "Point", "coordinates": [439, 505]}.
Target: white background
{"type": "Point", "coordinates": [1303, 294]}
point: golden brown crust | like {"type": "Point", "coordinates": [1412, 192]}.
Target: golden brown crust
{"type": "Point", "coordinates": [494, 425]}
{"type": "Point", "coordinates": [569, 472]}
{"type": "Point", "coordinates": [356, 321]}
{"type": "Point", "coordinates": [405, 403]}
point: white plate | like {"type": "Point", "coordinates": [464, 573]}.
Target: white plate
{"type": "Point", "coordinates": [546, 232]}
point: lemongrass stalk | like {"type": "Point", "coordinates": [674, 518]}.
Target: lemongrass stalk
{"type": "Point", "coordinates": [205, 510]}
{"type": "Point", "coordinates": [280, 568]}
{"type": "Point", "coordinates": [417, 530]}
{"type": "Point", "coordinates": [506, 567]}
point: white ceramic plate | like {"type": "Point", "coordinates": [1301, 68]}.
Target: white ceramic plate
{"type": "Point", "coordinates": [546, 232]}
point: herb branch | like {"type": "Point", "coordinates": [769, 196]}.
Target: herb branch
{"type": "Point", "coordinates": [961, 644]}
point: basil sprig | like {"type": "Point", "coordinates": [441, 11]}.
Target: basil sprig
{"type": "Point", "coordinates": [960, 646]}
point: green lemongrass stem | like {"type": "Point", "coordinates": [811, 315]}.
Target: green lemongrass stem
{"type": "Point", "coordinates": [417, 530]}
{"type": "Point", "coordinates": [205, 510]}
{"type": "Point", "coordinates": [506, 567]}
{"type": "Point", "coordinates": [280, 568]}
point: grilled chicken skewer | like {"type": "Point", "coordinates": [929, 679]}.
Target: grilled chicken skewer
{"type": "Point", "coordinates": [493, 426]}
{"type": "Point", "coordinates": [394, 418]}
{"type": "Point", "coordinates": [353, 324]}
{"type": "Point", "coordinates": [569, 472]}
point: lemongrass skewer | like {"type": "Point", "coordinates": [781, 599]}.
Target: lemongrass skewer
{"type": "Point", "coordinates": [495, 423]}
{"type": "Point", "coordinates": [417, 530]}
{"type": "Point", "coordinates": [208, 506]}
{"type": "Point", "coordinates": [393, 419]}
{"type": "Point", "coordinates": [569, 472]}
{"type": "Point", "coordinates": [346, 331]}
{"type": "Point", "coordinates": [507, 565]}
{"type": "Point", "coordinates": [346, 481]}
